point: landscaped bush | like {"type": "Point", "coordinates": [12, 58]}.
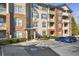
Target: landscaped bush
{"type": "Point", "coordinates": [3, 42]}
{"type": "Point", "coordinates": [45, 37]}
{"type": "Point", "coordinates": [12, 40]}
{"type": "Point", "coordinates": [54, 37]}
{"type": "Point", "coordinates": [22, 39]}
{"type": "Point", "coordinates": [50, 37]}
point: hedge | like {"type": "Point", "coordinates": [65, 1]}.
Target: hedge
{"type": "Point", "coordinates": [12, 40]}
{"type": "Point", "coordinates": [50, 37]}
{"type": "Point", "coordinates": [54, 37]}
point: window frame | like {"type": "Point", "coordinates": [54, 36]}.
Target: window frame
{"type": "Point", "coordinates": [44, 16]}
{"type": "Point", "coordinates": [18, 9]}
{"type": "Point", "coordinates": [43, 24]}
{"type": "Point", "coordinates": [18, 34]}
{"type": "Point", "coordinates": [18, 21]}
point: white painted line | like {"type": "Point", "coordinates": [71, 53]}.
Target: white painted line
{"type": "Point", "coordinates": [2, 51]}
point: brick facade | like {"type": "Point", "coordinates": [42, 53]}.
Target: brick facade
{"type": "Point", "coordinates": [26, 16]}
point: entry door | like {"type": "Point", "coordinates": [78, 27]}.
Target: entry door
{"type": "Point", "coordinates": [2, 34]}
{"type": "Point", "coordinates": [30, 35]}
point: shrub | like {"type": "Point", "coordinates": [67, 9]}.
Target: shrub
{"type": "Point", "coordinates": [12, 40]}
{"type": "Point", "coordinates": [45, 37]}
{"type": "Point", "coordinates": [50, 37]}
{"type": "Point", "coordinates": [54, 37]}
{"type": "Point", "coordinates": [22, 39]}
{"type": "Point", "coordinates": [3, 42]}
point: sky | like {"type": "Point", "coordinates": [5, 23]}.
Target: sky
{"type": "Point", "coordinates": [75, 9]}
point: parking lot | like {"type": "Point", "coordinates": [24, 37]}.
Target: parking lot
{"type": "Point", "coordinates": [41, 48]}
{"type": "Point", "coordinates": [0, 51]}
{"type": "Point", "coordinates": [16, 50]}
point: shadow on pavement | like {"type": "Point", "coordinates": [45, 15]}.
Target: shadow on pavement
{"type": "Point", "coordinates": [40, 51]}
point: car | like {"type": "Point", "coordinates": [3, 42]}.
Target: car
{"type": "Point", "coordinates": [73, 39]}
{"type": "Point", "coordinates": [67, 39]}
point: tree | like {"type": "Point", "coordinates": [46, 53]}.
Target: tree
{"type": "Point", "coordinates": [75, 29]}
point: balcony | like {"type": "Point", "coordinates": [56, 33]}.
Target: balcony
{"type": "Point", "coordinates": [65, 14]}
{"type": "Point", "coordinates": [35, 19]}
{"type": "Point", "coordinates": [66, 20]}
{"type": "Point", "coordinates": [51, 20]}
{"type": "Point", "coordinates": [2, 26]}
{"type": "Point", "coordinates": [51, 25]}
{"type": "Point", "coordinates": [51, 12]}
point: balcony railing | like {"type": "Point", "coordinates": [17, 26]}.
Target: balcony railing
{"type": "Point", "coordinates": [65, 13]}
{"type": "Point", "coordinates": [51, 12]}
{"type": "Point", "coordinates": [51, 27]}
{"type": "Point", "coordinates": [66, 20]}
{"type": "Point", "coordinates": [51, 20]}
{"type": "Point", "coordinates": [2, 26]}
{"type": "Point", "coordinates": [2, 10]}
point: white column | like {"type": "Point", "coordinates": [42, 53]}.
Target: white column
{"type": "Point", "coordinates": [7, 7]}
{"type": "Point", "coordinates": [34, 35]}
{"type": "Point", "coordinates": [26, 34]}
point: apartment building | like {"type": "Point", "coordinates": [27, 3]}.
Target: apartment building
{"type": "Point", "coordinates": [60, 20]}
{"type": "Point", "coordinates": [22, 20]}
{"type": "Point", "coordinates": [12, 20]}
{"type": "Point", "coordinates": [51, 20]}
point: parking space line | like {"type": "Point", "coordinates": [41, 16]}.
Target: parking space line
{"type": "Point", "coordinates": [2, 51]}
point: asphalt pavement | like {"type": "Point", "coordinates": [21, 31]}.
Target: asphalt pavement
{"type": "Point", "coordinates": [16, 50]}
{"type": "Point", "coordinates": [0, 52]}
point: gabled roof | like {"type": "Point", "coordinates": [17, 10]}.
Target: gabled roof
{"type": "Point", "coordinates": [53, 6]}
{"type": "Point", "coordinates": [42, 4]}
{"type": "Point", "coordinates": [66, 6]}
{"type": "Point", "coordinates": [60, 6]}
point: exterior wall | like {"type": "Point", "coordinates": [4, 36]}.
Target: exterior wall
{"type": "Point", "coordinates": [10, 19]}
{"type": "Point", "coordinates": [28, 20]}
{"type": "Point", "coordinates": [17, 28]}
{"type": "Point", "coordinates": [39, 20]}
{"type": "Point", "coordinates": [60, 31]}
{"type": "Point", "coordinates": [21, 15]}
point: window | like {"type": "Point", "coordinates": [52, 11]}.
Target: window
{"type": "Point", "coordinates": [65, 31]}
{"type": "Point", "coordinates": [18, 22]}
{"type": "Point", "coordinates": [18, 9]}
{"type": "Point", "coordinates": [51, 16]}
{"type": "Point", "coordinates": [43, 24]}
{"type": "Point", "coordinates": [35, 14]}
{"type": "Point", "coordinates": [52, 32]}
{"type": "Point", "coordinates": [1, 8]}
{"type": "Point", "coordinates": [51, 24]}
{"type": "Point", "coordinates": [65, 24]}
{"type": "Point", "coordinates": [35, 24]}
{"type": "Point", "coordinates": [44, 16]}
{"type": "Point", "coordinates": [43, 8]}
{"type": "Point", "coordinates": [2, 34]}
{"type": "Point", "coordinates": [43, 32]}
{"type": "Point", "coordinates": [64, 17]}
{"type": "Point", "coordinates": [2, 22]}
{"type": "Point", "coordinates": [18, 34]}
